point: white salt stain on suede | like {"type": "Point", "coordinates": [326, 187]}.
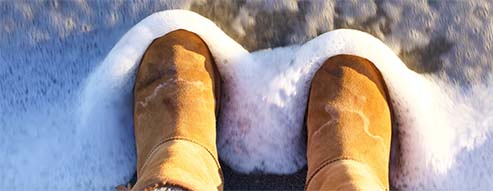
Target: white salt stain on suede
{"type": "Point", "coordinates": [328, 124]}
{"type": "Point", "coordinates": [172, 81]}
{"type": "Point", "coordinates": [366, 128]}
{"type": "Point", "coordinates": [156, 91]}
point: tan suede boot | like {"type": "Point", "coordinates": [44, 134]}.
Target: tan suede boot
{"type": "Point", "coordinates": [175, 103]}
{"type": "Point", "coordinates": [349, 127]}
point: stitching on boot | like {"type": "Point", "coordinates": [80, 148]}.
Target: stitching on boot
{"type": "Point", "coordinates": [153, 185]}
{"type": "Point", "coordinates": [154, 149]}
{"type": "Point", "coordinates": [324, 164]}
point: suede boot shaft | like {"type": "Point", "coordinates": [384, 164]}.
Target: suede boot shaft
{"type": "Point", "coordinates": [176, 97]}
{"type": "Point", "coordinates": [348, 126]}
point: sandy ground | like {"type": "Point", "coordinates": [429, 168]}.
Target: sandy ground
{"type": "Point", "coordinates": [238, 181]}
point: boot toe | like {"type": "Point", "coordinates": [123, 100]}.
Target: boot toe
{"type": "Point", "coordinates": [348, 116]}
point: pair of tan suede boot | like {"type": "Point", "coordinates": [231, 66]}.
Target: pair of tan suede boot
{"type": "Point", "coordinates": [176, 99]}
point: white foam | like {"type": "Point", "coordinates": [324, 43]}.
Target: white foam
{"type": "Point", "coordinates": [265, 94]}
{"type": "Point", "coordinates": [445, 130]}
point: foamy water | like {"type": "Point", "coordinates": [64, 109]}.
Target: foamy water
{"type": "Point", "coordinates": [265, 94]}
{"type": "Point", "coordinates": [445, 130]}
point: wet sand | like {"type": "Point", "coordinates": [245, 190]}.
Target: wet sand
{"type": "Point", "coordinates": [237, 181]}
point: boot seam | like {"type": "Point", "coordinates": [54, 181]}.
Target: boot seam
{"type": "Point", "coordinates": [154, 149]}
{"type": "Point", "coordinates": [154, 184]}
{"type": "Point", "coordinates": [326, 163]}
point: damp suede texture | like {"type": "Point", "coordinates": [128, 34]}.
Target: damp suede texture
{"type": "Point", "coordinates": [175, 103]}
{"type": "Point", "coordinates": [348, 127]}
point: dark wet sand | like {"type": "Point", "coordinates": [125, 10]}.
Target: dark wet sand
{"type": "Point", "coordinates": [237, 181]}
